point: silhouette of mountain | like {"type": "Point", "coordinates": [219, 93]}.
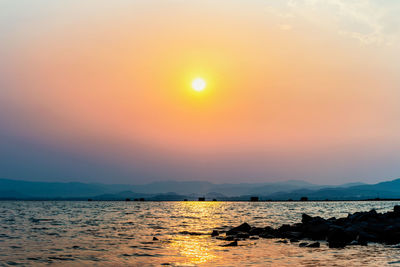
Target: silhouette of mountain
{"type": "Point", "coordinates": [383, 190]}
{"type": "Point", "coordinates": [29, 189]}
{"type": "Point", "coordinates": [176, 190]}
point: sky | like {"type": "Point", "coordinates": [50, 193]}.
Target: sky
{"type": "Point", "coordinates": [100, 91]}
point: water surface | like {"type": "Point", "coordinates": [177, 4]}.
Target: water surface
{"type": "Point", "coordinates": [121, 233]}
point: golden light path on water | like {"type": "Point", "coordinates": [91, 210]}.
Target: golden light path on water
{"type": "Point", "coordinates": [196, 250]}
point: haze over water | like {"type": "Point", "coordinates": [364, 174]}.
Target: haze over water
{"type": "Point", "coordinates": [121, 233]}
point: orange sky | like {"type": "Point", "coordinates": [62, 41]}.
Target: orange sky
{"type": "Point", "coordinates": [303, 90]}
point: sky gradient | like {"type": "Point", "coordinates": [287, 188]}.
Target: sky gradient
{"type": "Point", "coordinates": [99, 91]}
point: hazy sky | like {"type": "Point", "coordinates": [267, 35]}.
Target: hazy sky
{"type": "Point", "coordinates": [99, 91]}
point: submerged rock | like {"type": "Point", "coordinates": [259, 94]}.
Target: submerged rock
{"type": "Point", "coordinates": [215, 233]}
{"type": "Point", "coordinates": [232, 244]}
{"type": "Point", "coordinates": [244, 227]}
{"type": "Point", "coordinates": [314, 245]}
{"type": "Point", "coordinates": [303, 244]}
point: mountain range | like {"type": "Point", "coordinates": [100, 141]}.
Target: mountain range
{"type": "Point", "coordinates": [178, 190]}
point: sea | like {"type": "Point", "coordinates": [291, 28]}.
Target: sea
{"type": "Point", "coordinates": [104, 233]}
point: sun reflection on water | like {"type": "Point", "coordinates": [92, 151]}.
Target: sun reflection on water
{"type": "Point", "coordinates": [197, 247]}
{"type": "Point", "coordinates": [194, 250]}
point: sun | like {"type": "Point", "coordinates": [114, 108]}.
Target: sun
{"type": "Point", "coordinates": [199, 84]}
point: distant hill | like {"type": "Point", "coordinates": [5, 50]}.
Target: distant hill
{"type": "Point", "coordinates": [176, 190]}
{"type": "Point", "coordinates": [388, 190]}
{"type": "Point", "coordinates": [202, 188]}
{"type": "Point", "coordinates": [28, 189]}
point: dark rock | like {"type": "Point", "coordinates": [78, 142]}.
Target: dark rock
{"type": "Point", "coordinates": [242, 235]}
{"type": "Point", "coordinates": [230, 238]}
{"type": "Point", "coordinates": [363, 238]}
{"type": "Point", "coordinates": [306, 218]}
{"type": "Point", "coordinates": [392, 238]}
{"type": "Point", "coordinates": [303, 244]}
{"type": "Point", "coordinates": [396, 209]}
{"type": "Point", "coordinates": [267, 236]}
{"type": "Point", "coordinates": [282, 241]}
{"type": "Point", "coordinates": [358, 228]}
{"type": "Point", "coordinates": [232, 244]}
{"type": "Point", "coordinates": [314, 245]}
{"type": "Point", "coordinates": [215, 233]}
{"type": "Point", "coordinates": [337, 234]}
{"type": "Point", "coordinates": [334, 244]}
{"type": "Point", "coordinates": [244, 227]}
{"type": "Point", "coordinates": [256, 231]}
{"type": "Point", "coordinates": [268, 231]}
{"type": "Point", "coordinates": [316, 230]}
{"type": "Point", "coordinates": [293, 234]}
{"type": "Point", "coordinates": [155, 238]}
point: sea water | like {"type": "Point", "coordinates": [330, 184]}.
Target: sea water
{"type": "Point", "coordinates": [74, 233]}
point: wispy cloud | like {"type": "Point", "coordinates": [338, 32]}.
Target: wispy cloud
{"type": "Point", "coordinates": [371, 22]}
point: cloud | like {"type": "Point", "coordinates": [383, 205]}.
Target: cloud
{"type": "Point", "coordinates": [371, 22]}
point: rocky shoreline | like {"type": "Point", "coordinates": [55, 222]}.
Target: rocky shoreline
{"type": "Point", "coordinates": [358, 228]}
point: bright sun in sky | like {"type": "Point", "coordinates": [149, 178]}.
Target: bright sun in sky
{"type": "Point", "coordinates": [198, 84]}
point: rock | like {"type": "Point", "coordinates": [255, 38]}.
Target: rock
{"type": "Point", "coordinates": [242, 235]}
{"type": "Point", "coordinates": [215, 233]}
{"type": "Point", "coordinates": [396, 209]}
{"type": "Point", "coordinates": [229, 238]}
{"type": "Point", "coordinates": [282, 241]}
{"type": "Point", "coordinates": [267, 236]}
{"type": "Point", "coordinates": [256, 231]}
{"type": "Point", "coordinates": [306, 218]}
{"type": "Point", "coordinates": [363, 238]}
{"type": "Point", "coordinates": [268, 231]}
{"type": "Point", "coordinates": [303, 244]}
{"type": "Point", "coordinates": [314, 245]}
{"type": "Point", "coordinates": [334, 244]}
{"type": "Point", "coordinates": [337, 235]}
{"type": "Point", "coordinates": [244, 227]}
{"type": "Point", "coordinates": [232, 244]}
{"type": "Point", "coordinates": [316, 230]}
{"type": "Point", "coordinates": [358, 228]}
{"type": "Point", "coordinates": [155, 238]}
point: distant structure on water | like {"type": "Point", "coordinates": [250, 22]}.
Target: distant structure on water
{"type": "Point", "coordinates": [304, 199]}
{"type": "Point", "coordinates": [254, 199]}
{"type": "Point", "coordinates": [202, 199]}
